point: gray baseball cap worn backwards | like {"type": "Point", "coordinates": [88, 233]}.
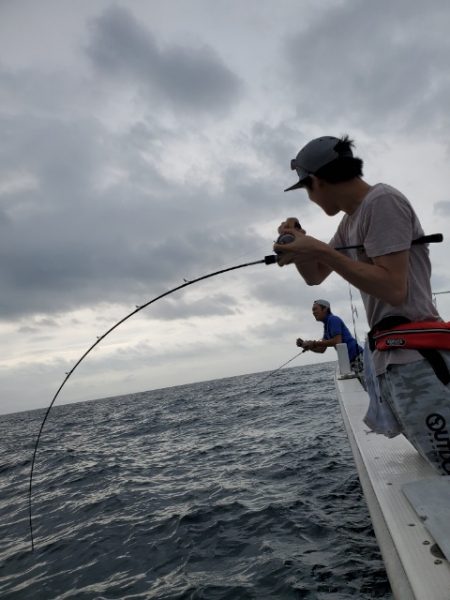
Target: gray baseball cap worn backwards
{"type": "Point", "coordinates": [316, 154]}
{"type": "Point", "coordinates": [323, 303]}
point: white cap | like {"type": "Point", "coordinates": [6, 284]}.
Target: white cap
{"type": "Point", "coordinates": [324, 303]}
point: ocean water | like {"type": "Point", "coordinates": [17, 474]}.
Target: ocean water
{"type": "Point", "coordinates": [238, 488]}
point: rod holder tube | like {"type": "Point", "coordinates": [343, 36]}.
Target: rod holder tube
{"type": "Point", "coordinates": [345, 371]}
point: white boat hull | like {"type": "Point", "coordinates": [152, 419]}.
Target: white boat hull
{"type": "Point", "coordinates": [416, 568]}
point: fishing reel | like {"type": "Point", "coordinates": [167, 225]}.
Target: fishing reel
{"type": "Point", "coordinates": [285, 238]}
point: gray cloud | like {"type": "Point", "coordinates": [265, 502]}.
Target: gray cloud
{"type": "Point", "coordinates": [219, 304]}
{"type": "Point", "coordinates": [380, 65]}
{"type": "Point", "coordinates": [276, 143]}
{"type": "Point", "coordinates": [37, 325]}
{"type": "Point", "coordinates": [100, 223]}
{"type": "Point", "coordinates": [195, 79]}
{"type": "Point", "coordinates": [442, 208]}
{"type": "Point", "coordinates": [71, 240]}
{"type": "Point", "coordinates": [93, 214]}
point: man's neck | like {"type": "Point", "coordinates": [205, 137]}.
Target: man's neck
{"type": "Point", "coordinates": [351, 194]}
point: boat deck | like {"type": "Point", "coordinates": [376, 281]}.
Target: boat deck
{"type": "Point", "coordinates": [415, 565]}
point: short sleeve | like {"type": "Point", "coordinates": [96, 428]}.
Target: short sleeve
{"type": "Point", "coordinates": [388, 225]}
{"type": "Point", "coordinates": [334, 326]}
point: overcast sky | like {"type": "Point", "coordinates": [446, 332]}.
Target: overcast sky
{"type": "Point", "coordinates": [148, 142]}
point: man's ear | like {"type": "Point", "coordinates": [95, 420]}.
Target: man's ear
{"type": "Point", "coordinates": [316, 182]}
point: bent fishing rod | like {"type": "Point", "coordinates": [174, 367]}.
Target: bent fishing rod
{"type": "Point", "coordinates": [267, 260]}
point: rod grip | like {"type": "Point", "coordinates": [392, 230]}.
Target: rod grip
{"type": "Point", "coordinates": [433, 238]}
{"type": "Point", "coordinates": [271, 259]}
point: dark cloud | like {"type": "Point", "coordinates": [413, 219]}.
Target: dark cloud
{"type": "Point", "coordinates": [382, 65]}
{"type": "Point", "coordinates": [100, 223]}
{"type": "Point", "coordinates": [276, 144]}
{"type": "Point", "coordinates": [74, 240]}
{"type": "Point", "coordinates": [194, 79]}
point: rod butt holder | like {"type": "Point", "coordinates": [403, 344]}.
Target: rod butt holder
{"type": "Point", "coordinates": [345, 371]}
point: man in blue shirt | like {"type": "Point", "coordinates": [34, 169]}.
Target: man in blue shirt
{"type": "Point", "coordinates": [334, 332]}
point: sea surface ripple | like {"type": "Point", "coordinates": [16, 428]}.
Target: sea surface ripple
{"type": "Point", "coordinates": [234, 489]}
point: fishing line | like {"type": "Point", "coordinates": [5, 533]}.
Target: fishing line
{"type": "Point", "coordinates": [268, 260]}
{"type": "Point", "coordinates": [276, 370]}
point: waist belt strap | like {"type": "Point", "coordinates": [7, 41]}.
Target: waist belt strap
{"type": "Point", "coordinates": [431, 355]}
{"type": "Point", "coordinates": [438, 363]}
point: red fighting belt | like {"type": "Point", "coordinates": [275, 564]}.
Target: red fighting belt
{"type": "Point", "coordinates": [427, 337]}
{"type": "Point", "coordinates": [414, 336]}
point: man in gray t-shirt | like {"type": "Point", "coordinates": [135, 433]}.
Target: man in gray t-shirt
{"type": "Point", "coordinates": [385, 223]}
{"type": "Point", "coordinates": [392, 274]}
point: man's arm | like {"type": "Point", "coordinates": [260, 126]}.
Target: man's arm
{"type": "Point", "coordinates": [321, 345]}
{"type": "Point", "coordinates": [313, 272]}
{"type": "Point", "coordinates": [385, 278]}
